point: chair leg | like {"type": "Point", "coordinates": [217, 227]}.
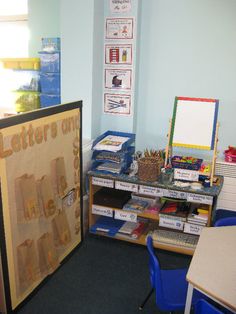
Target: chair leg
{"type": "Point", "coordinates": [146, 299]}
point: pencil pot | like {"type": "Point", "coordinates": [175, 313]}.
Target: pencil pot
{"type": "Point", "coordinates": [149, 168]}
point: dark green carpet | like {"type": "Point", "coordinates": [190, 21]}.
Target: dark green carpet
{"type": "Point", "coordinates": [102, 276]}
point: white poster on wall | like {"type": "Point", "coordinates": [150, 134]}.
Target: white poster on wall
{"type": "Point", "coordinates": [117, 104]}
{"type": "Point", "coordinates": [118, 54]}
{"type": "Point", "coordinates": [120, 6]}
{"type": "Point", "coordinates": [119, 28]}
{"type": "Point", "coordinates": [118, 79]}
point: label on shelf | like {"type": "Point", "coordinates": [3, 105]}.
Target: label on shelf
{"type": "Point", "coordinates": [184, 174]}
{"type": "Point", "coordinates": [171, 223]}
{"type": "Point", "coordinates": [122, 215]}
{"type": "Point", "coordinates": [198, 198]}
{"type": "Point", "coordinates": [126, 186]}
{"type": "Point", "coordinates": [192, 228]}
{"type": "Point", "coordinates": [175, 194]}
{"type": "Point", "coordinates": [103, 182]}
{"type": "Point", "coordinates": [102, 211]}
{"type": "Point", "coordinates": [150, 190]}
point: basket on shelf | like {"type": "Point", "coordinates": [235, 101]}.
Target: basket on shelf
{"type": "Point", "coordinates": [149, 168]}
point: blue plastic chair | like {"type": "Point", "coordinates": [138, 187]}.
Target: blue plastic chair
{"type": "Point", "coordinates": [203, 307]}
{"type": "Point", "coordinates": [227, 221]}
{"type": "Point", "coordinates": [170, 286]}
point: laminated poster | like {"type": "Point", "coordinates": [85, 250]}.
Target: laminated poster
{"type": "Point", "coordinates": [120, 6]}
{"type": "Point", "coordinates": [40, 200]}
{"type": "Point", "coordinates": [118, 54]}
{"type": "Point", "coordinates": [117, 104]}
{"type": "Point", "coordinates": [118, 79]}
{"type": "Point", "coordinates": [119, 28]}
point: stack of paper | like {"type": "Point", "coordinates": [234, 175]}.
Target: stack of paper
{"type": "Point", "coordinates": [111, 143]}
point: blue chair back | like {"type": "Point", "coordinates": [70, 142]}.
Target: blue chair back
{"type": "Point", "coordinates": [228, 221]}
{"type": "Point", "coordinates": [154, 267]}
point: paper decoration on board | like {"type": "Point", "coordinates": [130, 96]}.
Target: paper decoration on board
{"type": "Point", "coordinates": [118, 54]}
{"type": "Point", "coordinates": [194, 122]}
{"type": "Point", "coordinates": [117, 104]}
{"type": "Point", "coordinates": [119, 28]}
{"type": "Point", "coordinates": [120, 6]}
{"type": "Point", "coordinates": [118, 79]}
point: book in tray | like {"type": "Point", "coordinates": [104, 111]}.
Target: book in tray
{"type": "Point", "coordinates": [136, 205]}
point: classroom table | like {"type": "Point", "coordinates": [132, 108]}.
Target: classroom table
{"type": "Point", "coordinates": [213, 267]}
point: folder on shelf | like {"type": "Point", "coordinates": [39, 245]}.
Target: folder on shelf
{"type": "Point", "coordinates": [107, 225]}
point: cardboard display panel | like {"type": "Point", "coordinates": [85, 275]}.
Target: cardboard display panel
{"type": "Point", "coordinates": [40, 207]}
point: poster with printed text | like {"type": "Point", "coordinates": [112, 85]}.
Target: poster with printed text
{"type": "Point", "coordinates": [118, 54]}
{"type": "Point", "coordinates": [119, 28]}
{"type": "Point", "coordinates": [118, 79]}
{"type": "Point", "coordinates": [119, 104]}
{"type": "Point", "coordinates": [120, 6]}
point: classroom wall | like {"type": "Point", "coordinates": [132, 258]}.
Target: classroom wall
{"type": "Point", "coordinates": [187, 48]}
{"type": "Point", "coordinates": [44, 21]}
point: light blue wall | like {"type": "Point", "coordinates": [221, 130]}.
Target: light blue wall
{"type": "Point", "coordinates": [44, 21]}
{"type": "Point", "coordinates": [188, 48]}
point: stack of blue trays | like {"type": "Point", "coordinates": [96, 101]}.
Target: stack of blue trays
{"type": "Point", "coordinates": [112, 160]}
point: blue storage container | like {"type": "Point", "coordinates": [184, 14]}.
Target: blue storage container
{"type": "Point", "coordinates": [49, 62]}
{"type": "Point", "coordinates": [50, 83]}
{"type": "Point", "coordinates": [47, 100]}
{"type": "Point", "coordinates": [51, 44]}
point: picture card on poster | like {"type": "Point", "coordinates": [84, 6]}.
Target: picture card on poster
{"type": "Point", "coordinates": [118, 54]}
{"type": "Point", "coordinates": [118, 79]}
{"type": "Point", "coordinates": [119, 28]}
{"type": "Point", "coordinates": [120, 6]}
{"type": "Point", "coordinates": [117, 104]}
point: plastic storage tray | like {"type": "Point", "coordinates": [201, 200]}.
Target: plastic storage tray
{"type": "Point", "coordinates": [189, 163]}
{"type": "Point", "coordinates": [50, 62]}
{"type": "Point", "coordinates": [26, 101]}
{"type": "Point", "coordinates": [49, 100]}
{"type": "Point", "coordinates": [21, 63]}
{"type": "Point", "coordinates": [50, 83]}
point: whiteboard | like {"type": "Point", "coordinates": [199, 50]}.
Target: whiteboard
{"type": "Point", "coordinates": [194, 122]}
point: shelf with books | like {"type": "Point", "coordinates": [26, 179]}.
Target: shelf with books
{"type": "Point", "coordinates": [182, 212]}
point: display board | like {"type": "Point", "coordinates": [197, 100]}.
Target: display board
{"type": "Point", "coordinates": [194, 123]}
{"type": "Point", "coordinates": [40, 164]}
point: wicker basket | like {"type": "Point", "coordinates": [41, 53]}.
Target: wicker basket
{"type": "Point", "coordinates": [149, 168]}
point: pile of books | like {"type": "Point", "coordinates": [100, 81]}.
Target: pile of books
{"type": "Point", "coordinates": [196, 220]}
{"type": "Point", "coordinates": [132, 230]}
{"type": "Point", "coordinates": [112, 152]}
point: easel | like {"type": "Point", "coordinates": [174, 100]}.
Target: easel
{"type": "Point", "coordinates": [169, 147]}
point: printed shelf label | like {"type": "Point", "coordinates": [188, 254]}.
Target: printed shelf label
{"type": "Point", "coordinates": [102, 211]}
{"type": "Point", "coordinates": [103, 182]}
{"type": "Point", "coordinates": [184, 174]}
{"type": "Point", "coordinates": [126, 186]}
{"type": "Point", "coordinates": [198, 198]}
{"type": "Point", "coordinates": [122, 215]}
{"type": "Point", "coordinates": [175, 194]}
{"type": "Point", "coordinates": [150, 190]}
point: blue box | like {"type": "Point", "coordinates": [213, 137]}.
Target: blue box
{"type": "Point", "coordinates": [47, 100]}
{"type": "Point", "coordinates": [49, 62]}
{"type": "Point", "coordinates": [50, 83]}
{"type": "Point", "coordinates": [51, 44]}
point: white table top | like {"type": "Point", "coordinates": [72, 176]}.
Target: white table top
{"type": "Point", "coordinates": [213, 267]}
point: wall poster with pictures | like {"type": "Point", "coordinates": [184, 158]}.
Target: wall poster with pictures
{"type": "Point", "coordinates": [118, 54]}
{"type": "Point", "coordinates": [119, 104]}
{"type": "Point", "coordinates": [119, 28]}
{"type": "Point", "coordinates": [118, 79]}
{"type": "Point", "coordinates": [40, 207]}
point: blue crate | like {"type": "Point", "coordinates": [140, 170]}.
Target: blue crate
{"type": "Point", "coordinates": [49, 62]}
{"type": "Point", "coordinates": [51, 44]}
{"type": "Point", "coordinates": [47, 100]}
{"type": "Point", "coordinates": [50, 83]}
